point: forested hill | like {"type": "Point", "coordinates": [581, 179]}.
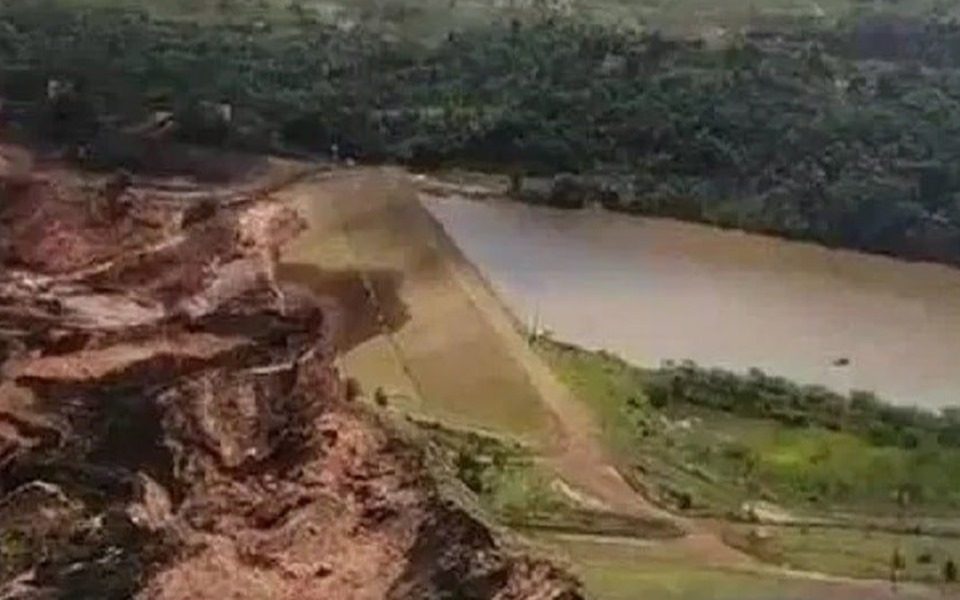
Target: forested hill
{"type": "Point", "coordinates": [847, 135]}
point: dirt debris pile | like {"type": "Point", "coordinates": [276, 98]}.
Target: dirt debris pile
{"type": "Point", "coordinates": [172, 425]}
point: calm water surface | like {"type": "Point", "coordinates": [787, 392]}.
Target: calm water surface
{"type": "Point", "coordinates": [652, 289]}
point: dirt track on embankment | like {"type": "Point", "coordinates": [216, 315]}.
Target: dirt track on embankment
{"type": "Point", "coordinates": [455, 347]}
{"type": "Point", "coordinates": [436, 337]}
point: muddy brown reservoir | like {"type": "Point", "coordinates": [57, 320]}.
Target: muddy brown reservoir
{"type": "Point", "coordinates": [651, 289]}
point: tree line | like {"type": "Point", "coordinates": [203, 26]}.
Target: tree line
{"type": "Point", "coordinates": [758, 395]}
{"type": "Point", "coordinates": [847, 135]}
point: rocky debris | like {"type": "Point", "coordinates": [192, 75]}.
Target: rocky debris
{"type": "Point", "coordinates": [73, 275]}
{"type": "Point", "coordinates": [54, 224]}
{"type": "Point", "coordinates": [23, 424]}
{"type": "Point", "coordinates": [172, 425]}
{"type": "Point", "coordinates": [156, 358]}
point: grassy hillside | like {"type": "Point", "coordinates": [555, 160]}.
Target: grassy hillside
{"type": "Point", "coordinates": [849, 493]}
{"type": "Point", "coordinates": [711, 440]}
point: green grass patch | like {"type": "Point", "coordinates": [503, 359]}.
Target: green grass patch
{"type": "Point", "coordinates": [612, 388]}
{"type": "Point", "coordinates": [849, 552]}
{"type": "Point", "coordinates": [893, 500]}
{"type": "Point", "coordinates": [710, 461]}
{"type": "Point", "coordinates": [625, 570]}
{"type": "Point", "coordinates": [673, 582]}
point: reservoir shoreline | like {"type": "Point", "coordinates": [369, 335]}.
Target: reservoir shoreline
{"type": "Point", "coordinates": [654, 289]}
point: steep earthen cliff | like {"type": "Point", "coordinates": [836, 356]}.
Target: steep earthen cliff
{"type": "Point", "coordinates": [172, 424]}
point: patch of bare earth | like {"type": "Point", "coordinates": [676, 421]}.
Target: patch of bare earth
{"type": "Point", "coordinates": [172, 425]}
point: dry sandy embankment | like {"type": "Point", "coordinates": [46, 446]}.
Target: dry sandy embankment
{"type": "Point", "coordinates": [425, 325]}
{"type": "Point", "coordinates": [451, 348]}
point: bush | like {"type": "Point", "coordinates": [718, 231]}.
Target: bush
{"type": "Point", "coordinates": [950, 571]}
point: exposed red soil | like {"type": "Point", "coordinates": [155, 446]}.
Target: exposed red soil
{"type": "Point", "coordinates": [172, 425]}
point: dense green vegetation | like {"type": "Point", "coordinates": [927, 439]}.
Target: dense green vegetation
{"type": "Point", "coordinates": [847, 135]}
{"type": "Point", "coordinates": [709, 441]}
{"type": "Point", "coordinates": [429, 21]}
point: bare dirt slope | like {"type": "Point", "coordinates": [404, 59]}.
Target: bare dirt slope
{"type": "Point", "coordinates": [173, 426]}
{"type": "Point", "coordinates": [460, 352]}
{"type": "Point", "coordinates": [441, 356]}
{"type": "Point", "coordinates": [443, 344]}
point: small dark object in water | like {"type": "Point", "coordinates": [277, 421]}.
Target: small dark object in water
{"type": "Point", "coordinates": [841, 362]}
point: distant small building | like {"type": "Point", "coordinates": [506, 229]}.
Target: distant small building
{"type": "Point", "coordinates": [57, 88]}
{"type": "Point", "coordinates": [225, 112]}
